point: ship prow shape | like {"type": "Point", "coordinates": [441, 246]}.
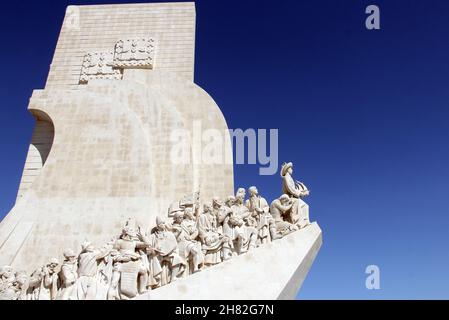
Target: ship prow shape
{"type": "Point", "coordinates": [275, 270]}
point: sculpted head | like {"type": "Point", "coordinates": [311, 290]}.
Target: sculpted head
{"type": "Point", "coordinates": [287, 168]}
{"type": "Point", "coordinates": [160, 224]}
{"type": "Point", "coordinates": [178, 217]}
{"type": "Point", "coordinates": [284, 199]}
{"type": "Point", "coordinates": [230, 201]}
{"type": "Point", "coordinates": [128, 233]}
{"type": "Point", "coordinates": [188, 213]}
{"type": "Point", "coordinates": [240, 195]}
{"type": "Point", "coordinates": [216, 203]}
{"type": "Point", "coordinates": [53, 264]}
{"type": "Point", "coordinates": [207, 207]}
{"type": "Point", "coordinates": [253, 191]}
{"type": "Point", "coordinates": [69, 255]}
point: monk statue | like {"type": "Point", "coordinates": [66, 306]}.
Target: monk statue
{"type": "Point", "coordinates": [299, 213]}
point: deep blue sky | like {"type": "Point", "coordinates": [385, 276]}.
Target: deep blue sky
{"type": "Point", "coordinates": [363, 115]}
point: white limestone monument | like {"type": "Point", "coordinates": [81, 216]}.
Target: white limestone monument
{"type": "Point", "coordinates": [91, 218]}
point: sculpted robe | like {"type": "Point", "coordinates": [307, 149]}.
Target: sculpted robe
{"type": "Point", "coordinates": [242, 228]}
{"type": "Point", "coordinates": [210, 238]}
{"type": "Point", "coordinates": [186, 234]}
{"type": "Point", "coordinates": [49, 286]}
{"type": "Point", "coordinates": [299, 213]}
{"type": "Point", "coordinates": [68, 277]}
{"type": "Point", "coordinates": [88, 273]}
{"type": "Point", "coordinates": [259, 209]}
{"type": "Point", "coordinates": [165, 257]}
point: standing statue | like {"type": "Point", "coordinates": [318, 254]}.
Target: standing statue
{"type": "Point", "coordinates": [128, 269]}
{"type": "Point", "coordinates": [164, 248]}
{"type": "Point", "coordinates": [245, 235]}
{"type": "Point", "coordinates": [227, 228]}
{"type": "Point", "coordinates": [88, 270]}
{"type": "Point", "coordinates": [185, 230]}
{"type": "Point", "coordinates": [221, 213]}
{"type": "Point", "coordinates": [68, 276]}
{"type": "Point", "coordinates": [260, 210]}
{"type": "Point", "coordinates": [211, 239]}
{"type": "Point", "coordinates": [49, 284]}
{"type": "Point", "coordinates": [34, 285]}
{"type": "Point", "coordinates": [279, 208]}
{"type": "Point", "coordinates": [299, 213]}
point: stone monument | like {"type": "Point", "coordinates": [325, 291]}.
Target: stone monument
{"type": "Point", "coordinates": [91, 221]}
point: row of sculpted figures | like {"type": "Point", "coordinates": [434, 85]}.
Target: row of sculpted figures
{"type": "Point", "coordinates": [187, 241]}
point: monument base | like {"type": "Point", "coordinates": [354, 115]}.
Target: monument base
{"type": "Point", "coordinates": [273, 271]}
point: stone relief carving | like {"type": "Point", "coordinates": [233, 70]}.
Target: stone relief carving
{"type": "Point", "coordinates": [99, 65]}
{"type": "Point", "coordinates": [136, 52]}
{"type": "Point", "coordinates": [188, 240]}
{"type": "Point", "coordinates": [296, 190]}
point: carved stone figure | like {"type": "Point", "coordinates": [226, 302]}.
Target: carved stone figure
{"type": "Point", "coordinates": [228, 221]}
{"type": "Point", "coordinates": [13, 285]}
{"type": "Point", "coordinates": [296, 190]}
{"type": "Point", "coordinates": [7, 279]}
{"type": "Point", "coordinates": [186, 232]}
{"type": "Point", "coordinates": [34, 285]}
{"type": "Point", "coordinates": [49, 284]}
{"type": "Point", "coordinates": [128, 265]}
{"type": "Point", "coordinates": [21, 285]}
{"type": "Point", "coordinates": [88, 270]}
{"type": "Point", "coordinates": [164, 248]}
{"type": "Point", "coordinates": [278, 209]}
{"type": "Point", "coordinates": [244, 235]}
{"type": "Point", "coordinates": [68, 276]}
{"type": "Point", "coordinates": [259, 209]}
{"type": "Point", "coordinates": [211, 239]}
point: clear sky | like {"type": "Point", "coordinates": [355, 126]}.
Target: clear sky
{"type": "Point", "coordinates": [363, 115]}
